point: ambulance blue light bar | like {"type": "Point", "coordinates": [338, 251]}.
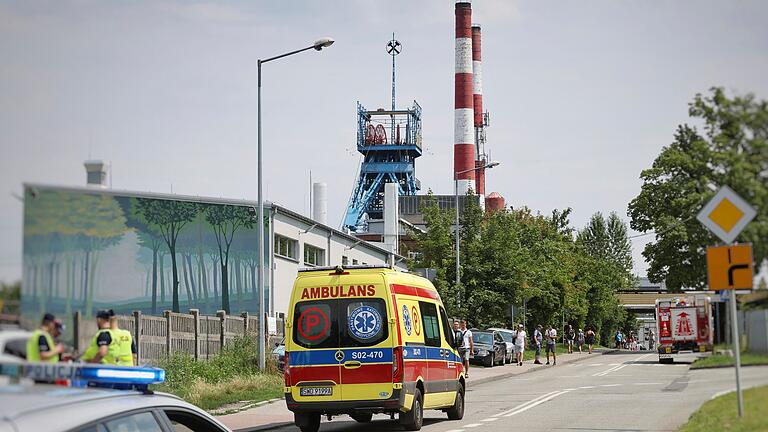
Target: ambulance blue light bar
{"type": "Point", "coordinates": [104, 374]}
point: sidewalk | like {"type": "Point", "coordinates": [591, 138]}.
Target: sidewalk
{"type": "Point", "coordinates": [275, 414]}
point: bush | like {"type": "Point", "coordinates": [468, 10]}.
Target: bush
{"type": "Point", "coordinates": [231, 376]}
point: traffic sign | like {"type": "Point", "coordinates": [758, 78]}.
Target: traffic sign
{"type": "Point", "coordinates": [729, 267]}
{"type": "Point", "coordinates": [726, 214]}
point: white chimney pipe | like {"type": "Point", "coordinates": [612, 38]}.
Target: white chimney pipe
{"type": "Point", "coordinates": [320, 203]}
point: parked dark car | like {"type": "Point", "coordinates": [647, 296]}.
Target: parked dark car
{"type": "Point", "coordinates": [489, 348]}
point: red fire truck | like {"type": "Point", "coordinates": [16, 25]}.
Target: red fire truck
{"type": "Point", "coordinates": [683, 324]}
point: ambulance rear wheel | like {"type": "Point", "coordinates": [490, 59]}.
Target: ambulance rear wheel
{"type": "Point", "coordinates": [413, 419]}
{"type": "Point", "coordinates": [362, 417]}
{"type": "Point", "coordinates": [456, 412]}
{"type": "Point", "coordinates": [307, 422]}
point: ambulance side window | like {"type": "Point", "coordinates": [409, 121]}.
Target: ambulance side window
{"type": "Point", "coordinates": [447, 330]}
{"type": "Point", "coordinates": [430, 324]}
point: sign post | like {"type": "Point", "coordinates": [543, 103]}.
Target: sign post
{"type": "Point", "coordinates": [729, 267]}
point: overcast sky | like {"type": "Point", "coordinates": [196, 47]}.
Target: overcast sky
{"type": "Point", "coordinates": [582, 95]}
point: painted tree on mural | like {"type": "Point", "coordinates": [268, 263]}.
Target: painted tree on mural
{"type": "Point", "coordinates": [67, 224]}
{"type": "Point", "coordinates": [226, 221]}
{"type": "Point", "coordinates": [148, 237]}
{"type": "Point", "coordinates": [169, 218]}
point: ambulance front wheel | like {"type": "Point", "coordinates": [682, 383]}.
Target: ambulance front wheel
{"type": "Point", "coordinates": [413, 419]}
{"type": "Point", "coordinates": [456, 412]}
{"type": "Point", "coordinates": [307, 422]}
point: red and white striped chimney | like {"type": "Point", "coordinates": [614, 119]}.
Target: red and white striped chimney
{"type": "Point", "coordinates": [463, 124]}
{"type": "Point", "coordinates": [477, 95]}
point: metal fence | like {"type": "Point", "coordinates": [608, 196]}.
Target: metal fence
{"type": "Point", "coordinates": [200, 336]}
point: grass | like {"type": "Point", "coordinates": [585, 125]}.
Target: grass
{"type": "Point", "coordinates": [230, 377]}
{"type": "Point", "coordinates": [721, 413]}
{"type": "Point", "coordinates": [719, 360]}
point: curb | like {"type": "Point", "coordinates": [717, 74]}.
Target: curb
{"type": "Point", "coordinates": [472, 383]}
{"type": "Point", "coordinates": [726, 366]}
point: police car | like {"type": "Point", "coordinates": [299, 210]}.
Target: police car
{"type": "Point", "coordinates": [79, 407]}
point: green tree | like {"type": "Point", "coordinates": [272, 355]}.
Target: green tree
{"type": "Point", "coordinates": [168, 217]}
{"type": "Point", "coordinates": [732, 151]}
{"type": "Point", "coordinates": [226, 220]}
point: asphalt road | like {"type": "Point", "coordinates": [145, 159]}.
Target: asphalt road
{"type": "Point", "coordinates": [615, 392]}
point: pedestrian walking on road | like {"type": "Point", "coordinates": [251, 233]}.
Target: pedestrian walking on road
{"type": "Point", "coordinates": [520, 344]}
{"type": "Point", "coordinates": [467, 346]}
{"type": "Point", "coordinates": [618, 337]}
{"type": "Point", "coordinates": [551, 335]}
{"type": "Point", "coordinates": [590, 339]}
{"type": "Point", "coordinates": [570, 336]}
{"type": "Point", "coordinates": [580, 339]}
{"type": "Point", "coordinates": [538, 339]}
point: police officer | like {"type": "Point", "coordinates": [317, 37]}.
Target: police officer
{"type": "Point", "coordinates": [104, 347]}
{"type": "Point", "coordinates": [126, 353]}
{"type": "Point", "coordinates": [40, 346]}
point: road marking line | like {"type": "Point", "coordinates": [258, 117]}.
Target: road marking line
{"type": "Point", "coordinates": [569, 389]}
{"type": "Point", "coordinates": [526, 408]}
{"type": "Point", "coordinates": [523, 405]}
{"type": "Point", "coordinates": [595, 364]}
{"type": "Point", "coordinates": [587, 387]}
{"type": "Point", "coordinates": [610, 385]}
{"type": "Point", "coordinates": [473, 425]}
{"type": "Point", "coordinates": [490, 419]}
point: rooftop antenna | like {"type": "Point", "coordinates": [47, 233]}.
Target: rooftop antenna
{"type": "Point", "coordinates": [393, 48]}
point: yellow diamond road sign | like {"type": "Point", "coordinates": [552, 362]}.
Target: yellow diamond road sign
{"type": "Point", "coordinates": [726, 214]}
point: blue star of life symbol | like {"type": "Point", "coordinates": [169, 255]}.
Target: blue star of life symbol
{"type": "Point", "coordinates": [407, 320]}
{"type": "Point", "coordinates": [364, 322]}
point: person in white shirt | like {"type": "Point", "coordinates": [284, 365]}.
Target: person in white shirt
{"type": "Point", "coordinates": [467, 346]}
{"type": "Point", "coordinates": [520, 344]}
{"type": "Point", "coordinates": [551, 335]}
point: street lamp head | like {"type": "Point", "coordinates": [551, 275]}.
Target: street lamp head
{"type": "Point", "coordinates": [492, 164]}
{"type": "Point", "coordinates": [323, 43]}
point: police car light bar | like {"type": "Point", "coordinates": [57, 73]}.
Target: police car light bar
{"type": "Point", "coordinates": [104, 374]}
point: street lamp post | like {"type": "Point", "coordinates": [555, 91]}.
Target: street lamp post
{"type": "Point", "coordinates": [317, 46]}
{"type": "Point", "coordinates": [456, 201]}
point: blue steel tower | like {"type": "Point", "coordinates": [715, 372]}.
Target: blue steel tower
{"type": "Point", "coordinates": [386, 159]}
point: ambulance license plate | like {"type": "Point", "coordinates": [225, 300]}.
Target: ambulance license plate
{"type": "Point", "coordinates": [316, 391]}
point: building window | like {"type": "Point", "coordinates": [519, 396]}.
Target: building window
{"type": "Point", "coordinates": [344, 260]}
{"type": "Point", "coordinates": [286, 247]}
{"type": "Point", "coordinates": [313, 256]}
{"type": "Point", "coordinates": [354, 261]}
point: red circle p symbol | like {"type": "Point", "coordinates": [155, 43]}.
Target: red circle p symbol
{"type": "Point", "coordinates": [313, 324]}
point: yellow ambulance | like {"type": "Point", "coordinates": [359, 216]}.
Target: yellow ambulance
{"type": "Point", "coordinates": [366, 340]}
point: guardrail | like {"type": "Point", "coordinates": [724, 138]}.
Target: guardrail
{"type": "Point", "coordinates": [200, 336]}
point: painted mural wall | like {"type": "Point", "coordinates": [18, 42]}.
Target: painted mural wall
{"type": "Point", "coordinates": [88, 250]}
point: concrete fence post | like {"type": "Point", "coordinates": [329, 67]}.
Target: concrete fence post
{"type": "Point", "coordinates": [167, 315]}
{"type": "Point", "coordinates": [76, 331]}
{"type": "Point", "coordinates": [196, 317]}
{"type": "Point", "coordinates": [137, 334]}
{"type": "Point", "coordinates": [222, 316]}
{"type": "Point", "coordinates": [245, 323]}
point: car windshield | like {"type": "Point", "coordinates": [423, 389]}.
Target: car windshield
{"type": "Point", "coordinates": [507, 336]}
{"type": "Point", "coordinates": [483, 338]}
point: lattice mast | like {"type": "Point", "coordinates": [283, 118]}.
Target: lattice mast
{"type": "Point", "coordinates": [386, 159]}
